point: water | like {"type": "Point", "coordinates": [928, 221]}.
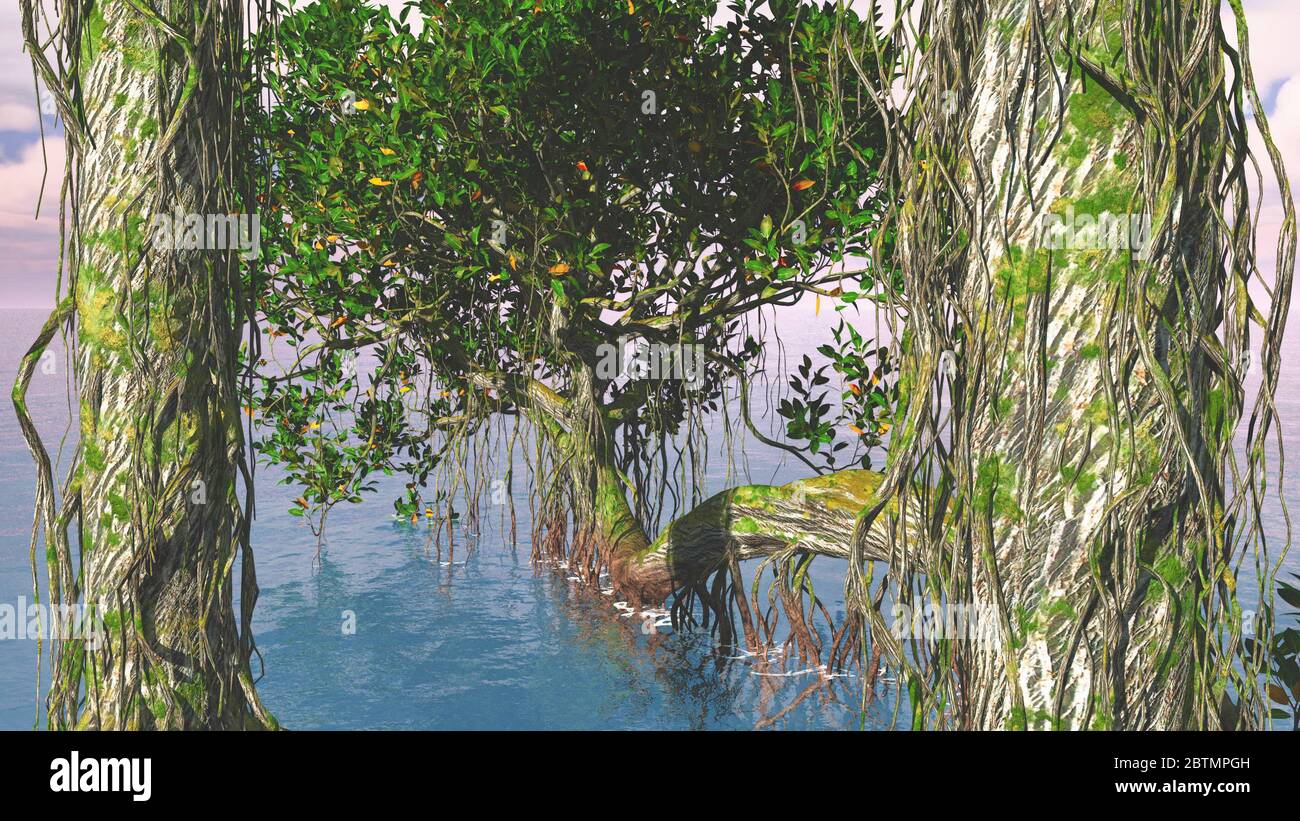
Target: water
{"type": "Point", "coordinates": [477, 639]}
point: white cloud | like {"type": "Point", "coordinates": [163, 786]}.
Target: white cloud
{"type": "Point", "coordinates": [1271, 25]}
{"type": "Point", "coordinates": [30, 245]}
{"type": "Point", "coordinates": [20, 183]}
{"type": "Point", "coordinates": [17, 88]}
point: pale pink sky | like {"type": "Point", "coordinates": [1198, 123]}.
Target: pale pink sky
{"type": "Point", "coordinates": [28, 246]}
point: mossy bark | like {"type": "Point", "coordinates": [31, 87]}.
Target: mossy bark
{"type": "Point", "coordinates": [157, 335]}
{"type": "Point", "coordinates": [1071, 483]}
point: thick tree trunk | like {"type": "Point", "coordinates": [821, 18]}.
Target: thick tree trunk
{"type": "Point", "coordinates": [156, 339]}
{"type": "Point", "coordinates": [1078, 516]}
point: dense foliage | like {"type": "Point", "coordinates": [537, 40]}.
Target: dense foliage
{"type": "Point", "coordinates": [488, 205]}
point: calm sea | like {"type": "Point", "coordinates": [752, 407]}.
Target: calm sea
{"type": "Point", "coordinates": [471, 639]}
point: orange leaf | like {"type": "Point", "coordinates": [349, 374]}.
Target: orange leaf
{"type": "Point", "coordinates": [514, 263]}
{"type": "Point", "coordinates": [803, 184]}
{"type": "Point", "coordinates": [582, 166]}
{"type": "Point", "coordinates": [856, 429]}
{"type": "Point", "coordinates": [339, 321]}
{"type": "Point", "coordinates": [559, 269]}
{"type": "Point", "coordinates": [477, 193]}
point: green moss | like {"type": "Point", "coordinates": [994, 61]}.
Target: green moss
{"type": "Point", "coordinates": [121, 510]}
{"type": "Point", "coordinates": [994, 486]}
{"type": "Point", "coordinates": [1172, 568]}
{"type": "Point", "coordinates": [93, 456]}
{"type": "Point", "coordinates": [92, 35]}
{"type": "Point", "coordinates": [1097, 412]}
{"type": "Point", "coordinates": [192, 693]}
{"type": "Point", "coordinates": [1093, 113]}
{"type": "Point", "coordinates": [1060, 609]}
{"type": "Point", "coordinates": [1021, 274]}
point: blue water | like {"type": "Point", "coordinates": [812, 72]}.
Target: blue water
{"type": "Point", "coordinates": [478, 638]}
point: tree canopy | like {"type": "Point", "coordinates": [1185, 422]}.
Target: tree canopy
{"type": "Point", "coordinates": [493, 204]}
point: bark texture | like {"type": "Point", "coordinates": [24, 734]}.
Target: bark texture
{"type": "Point", "coordinates": [1082, 510]}
{"type": "Point", "coordinates": [156, 340]}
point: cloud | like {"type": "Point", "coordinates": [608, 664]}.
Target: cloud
{"type": "Point", "coordinates": [30, 245]}
{"type": "Point", "coordinates": [17, 88]}
{"type": "Point", "coordinates": [1271, 26]}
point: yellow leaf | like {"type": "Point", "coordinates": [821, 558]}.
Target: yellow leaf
{"type": "Point", "coordinates": [631, 9]}
{"type": "Point", "coordinates": [387, 152]}
{"type": "Point", "coordinates": [380, 181]}
{"type": "Point", "coordinates": [817, 311]}
{"type": "Point", "coordinates": [856, 429]}
{"type": "Point", "coordinates": [332, 238]}
{"type": "Point", "coordinates": [361, 105]}
{"type": "Point", "coordinates": [514, 263]}
{"type": "Point", "coordinates": [559, 269]}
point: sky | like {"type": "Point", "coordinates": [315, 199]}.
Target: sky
{"type": "Point", "coordinates": [29, 243]}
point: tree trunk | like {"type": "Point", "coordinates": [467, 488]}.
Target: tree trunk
{"type": "Point", "coordinates": [156, 340]}
{"type": "Point", "coordinates": [1085, 500]}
